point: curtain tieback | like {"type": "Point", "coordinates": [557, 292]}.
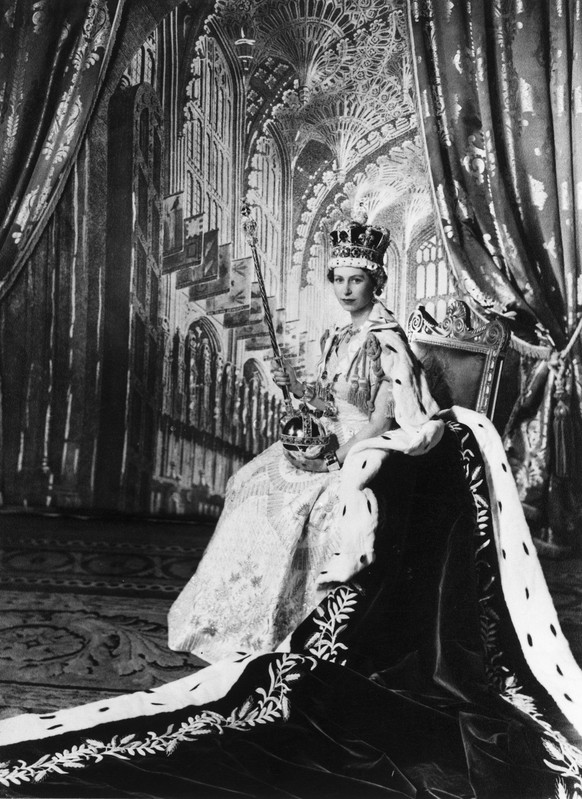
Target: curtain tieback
{"type": "Point", "coordinates": [562, 423]}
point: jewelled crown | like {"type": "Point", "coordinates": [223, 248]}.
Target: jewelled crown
{"type": "Point", "coordinates": [358, 244]}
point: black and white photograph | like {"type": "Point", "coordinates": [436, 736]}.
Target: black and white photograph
{"type": "Point", "coordinates": [291, 399]}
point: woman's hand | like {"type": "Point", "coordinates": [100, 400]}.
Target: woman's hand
{"type": "Point", "coordinates": [284, 376]}
{"type": "Point", "coordinates": [305, 464]}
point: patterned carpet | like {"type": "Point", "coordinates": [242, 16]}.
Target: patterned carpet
{"type": "Point", "coordinates": [83, 606]}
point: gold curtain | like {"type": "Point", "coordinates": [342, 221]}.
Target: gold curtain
{"type": "Point", "coordinates": [500, 103]}
{"type": "Point", "coordinates": [54, 59]}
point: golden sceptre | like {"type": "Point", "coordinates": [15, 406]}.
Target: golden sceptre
{"type": "Point", "coordinates": [300, 430]}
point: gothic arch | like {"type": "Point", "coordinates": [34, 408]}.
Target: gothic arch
{"type": "Point", "coordinates": [203, 329]}
{"type": "Point", "coordinates": [429, 279]}
{"type": "Point", "coordinates": [254, 369]}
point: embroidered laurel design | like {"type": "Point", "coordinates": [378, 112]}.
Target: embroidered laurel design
{"type": "Point", "coordinates": [263, 707]}
{"type": "Point", "coordinates": [566, 758]}
{"type": "Point", "coordinates": [331, 620]}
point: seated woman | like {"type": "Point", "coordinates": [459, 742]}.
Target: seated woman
{"type": "Point", "coordinates": [261, 573]}
{"type": "Point", "coordinates": [433, 665]}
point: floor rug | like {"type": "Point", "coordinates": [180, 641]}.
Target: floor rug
{"type": "Point", "coordinates": [83, 606]}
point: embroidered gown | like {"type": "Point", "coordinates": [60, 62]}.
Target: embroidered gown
{"type": "Point", "coordinates": [258, 577]}
{"type": "Point", "coordinates": [437, 670]}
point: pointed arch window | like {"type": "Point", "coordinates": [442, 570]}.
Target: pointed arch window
{"type": "Point", "coordinates": [210, 135]}
{"type": "Point", "coordinates": [148, 66]}
{"type": "Point", "coordinates": [267, 178]}
{"type": "Point", "coordinates": [434, 283]}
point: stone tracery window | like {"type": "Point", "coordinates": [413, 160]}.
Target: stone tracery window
{"type": "Point", "coordinates": [142, 68]}
{"type": "Point", "coordinates": [209, 134]}
{"type": "Point", "coordinates": [434, 282]}
{"type": "Point", "coordinates": [267, 182]}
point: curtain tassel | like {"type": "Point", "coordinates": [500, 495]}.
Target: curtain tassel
{"type": "Point", "coordinates": [562, 427]}
{"type": "Point", "coordinates": [562, 434]}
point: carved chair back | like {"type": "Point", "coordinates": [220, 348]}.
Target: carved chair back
{"type": "Point", "coordinates": [463, 363]}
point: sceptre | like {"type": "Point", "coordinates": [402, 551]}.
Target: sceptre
{"type": "Point", "coordinates": [300, 431]}
{"type": "Point", "coordinates": [250, 231]}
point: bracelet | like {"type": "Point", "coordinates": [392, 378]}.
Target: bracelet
{"type": "Point", "coordinates": [331, 461]}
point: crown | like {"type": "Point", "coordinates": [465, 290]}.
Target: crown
{"type": "Point", "coordinates": [358, 244]}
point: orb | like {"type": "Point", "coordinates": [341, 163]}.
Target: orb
{"type": "Point", "coordinates": [301, 433]}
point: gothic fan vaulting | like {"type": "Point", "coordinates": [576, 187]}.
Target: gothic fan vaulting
{"type": "Point", "coordinates": [308, 109]}
{"type": "Point", "coordinates": [436, 143]}
{"type": "Point", "coordinates": [295, 106]}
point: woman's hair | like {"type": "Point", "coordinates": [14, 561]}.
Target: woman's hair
{"type": "Point", "coordinates": [377, 275]}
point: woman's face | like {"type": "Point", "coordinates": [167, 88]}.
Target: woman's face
{"type": "Point", "coordinates": [353, 287]}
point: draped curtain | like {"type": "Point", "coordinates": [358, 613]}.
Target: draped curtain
{"type": "Point", "coordinates": [500, 103]}
{"type": "Point", "coordinates": [53, 60]}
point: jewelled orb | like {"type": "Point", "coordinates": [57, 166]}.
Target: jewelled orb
{"type": "Point", "coordinates": [303, 436]}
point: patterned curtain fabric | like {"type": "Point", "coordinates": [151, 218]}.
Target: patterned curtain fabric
{"type": "Point", "coordinates": [500, 100]}
{"type": "Point", "coordinates": [53, 58]}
